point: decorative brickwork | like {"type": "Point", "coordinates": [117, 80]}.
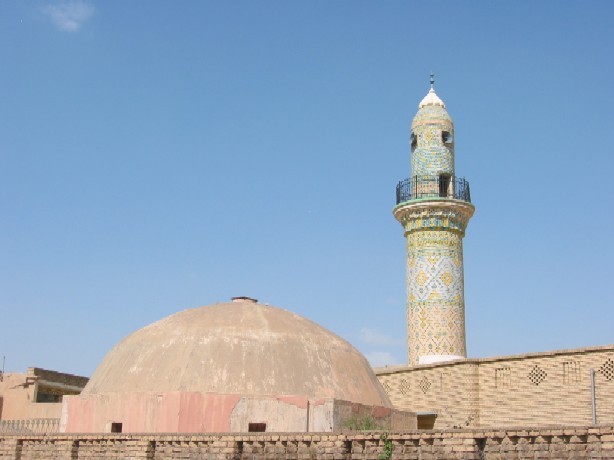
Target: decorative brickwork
{"type": "Point", "coordinates": [425, 384]}
{"type": "Point", "coordinates": [608, 369]}
{"type": "Point", "coordinates": [502, 444]}
{"type": "Point", "coordinates": [532, 389]}
{"type": "Point", "coordinates": [571, 372]}
{"type": "Point", "coordinates": [537, 375]}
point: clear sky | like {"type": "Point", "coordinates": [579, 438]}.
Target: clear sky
{"type": "Point", "coordinates": [158, 156]}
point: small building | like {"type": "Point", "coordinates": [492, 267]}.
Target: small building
{"type": "Point", "coordinates": [232, 367]}
{"type": "Point", "coordinates": [32, 401]}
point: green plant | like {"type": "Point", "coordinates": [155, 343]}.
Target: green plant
{"type": "Point", "coordinates": [364, 423]}
{"type": "Point", "coordinates": [388, 447]}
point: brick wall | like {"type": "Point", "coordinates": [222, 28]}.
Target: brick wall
{"type": "Point", "coordinates": [532, 389]}
{"type": "Point", "coordinates": [501, 444]}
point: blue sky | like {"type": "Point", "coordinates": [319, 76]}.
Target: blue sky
{"type": "Point", "coordinates": [158, 156]}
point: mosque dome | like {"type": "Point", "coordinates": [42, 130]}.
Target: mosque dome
{"type": "Point", "coordinates": [240, 347]}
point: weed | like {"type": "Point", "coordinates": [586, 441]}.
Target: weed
{"type": "Point", "coordinates": [388, 447]}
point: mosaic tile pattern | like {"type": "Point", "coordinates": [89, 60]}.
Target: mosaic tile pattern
{"type": "Point", "coordinates": [435, 294]}
{"type": "Point", "coordinates": [434, 215]}
{"type": "Point", "coordinates": [431, 154]}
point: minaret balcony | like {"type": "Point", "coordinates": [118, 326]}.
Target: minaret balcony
{"type": "Point", "coordinates": [443, 186]}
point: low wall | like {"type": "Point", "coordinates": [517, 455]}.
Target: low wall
{"type": "Point", "coordinates": [532, 389]}
{"type": "Point", "coordinates": [501, 444]}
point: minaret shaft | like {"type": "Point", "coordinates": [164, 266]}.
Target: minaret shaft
{"type": "Point", "coordinates": [435, 303]}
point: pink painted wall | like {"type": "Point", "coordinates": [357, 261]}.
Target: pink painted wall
{"type": "Point", "coordinates": [186, 412]}
{"type": "Point", "coordinates": [194, 412]}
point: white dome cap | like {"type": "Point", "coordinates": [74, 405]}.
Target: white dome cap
{"type": "Point", "coordinates": [431, 99]}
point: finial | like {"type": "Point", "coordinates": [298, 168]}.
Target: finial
{"type": "Point", "coordinates": [432, 80]}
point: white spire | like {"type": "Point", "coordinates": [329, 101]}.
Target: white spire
{"type": "Point", "coordinates": [431, 99]}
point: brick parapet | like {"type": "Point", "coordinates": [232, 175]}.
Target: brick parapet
{"type": "Point", "coordinates": [561, 442]}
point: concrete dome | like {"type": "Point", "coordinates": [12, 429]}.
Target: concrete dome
{"type": "Point", "coordinates": [242, 348]}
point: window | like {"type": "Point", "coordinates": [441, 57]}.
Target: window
{"type": "Point", "coordinates": [116, 427]}
{"type": "Point", "coordinates": [257, 427]}
{"type": "Point", "coordinates": [446, 137]}
{"type": "Point", "coordinates": [413, 141]}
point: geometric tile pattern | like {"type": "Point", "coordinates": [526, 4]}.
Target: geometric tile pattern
{"type": "Point", "coordinates": [608, 369]}
{"type": "Point", "coordinates": [424, 384]}
{"type": "Point", "coordinates": [435, 294]}
{"type": "Point", "coordinates": [404, 387]}
{"type": "Point", "coordinates": [387, 387]}
{"type": "Point", "coordinates": [537, 375]}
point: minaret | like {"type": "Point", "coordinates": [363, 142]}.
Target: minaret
{"type": "Point", "coordinates": [434, 207]}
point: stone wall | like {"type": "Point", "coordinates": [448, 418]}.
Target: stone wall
{"type": "Point", "coordinates": [501, 444]}
{"type": "Point", "coordinates": [532, 389]}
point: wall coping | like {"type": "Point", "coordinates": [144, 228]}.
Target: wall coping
{"type": "Point", "coordinates": [484, 432]}
{"type": "Point", "coordinates": [476, 361]}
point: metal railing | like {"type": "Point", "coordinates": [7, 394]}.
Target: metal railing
{"type": "Point", "coordinates": [30, 426]}
{"type": "Point", "coordinates": [442, 186]}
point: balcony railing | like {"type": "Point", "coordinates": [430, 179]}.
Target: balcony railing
{"type": "Point", "coordinates": [30, 426]}
{"type": "Point", "coordinates": [442, 186]}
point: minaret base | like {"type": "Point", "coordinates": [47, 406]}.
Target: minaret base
{"type": "Point", "coordinates": [430, 359]}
